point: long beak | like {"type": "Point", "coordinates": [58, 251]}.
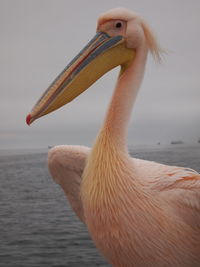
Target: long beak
{"type": "Point", "coordinates": [100, 55]}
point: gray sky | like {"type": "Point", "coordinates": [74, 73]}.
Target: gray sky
{"type": "Point", "coordinates": [39, 38]}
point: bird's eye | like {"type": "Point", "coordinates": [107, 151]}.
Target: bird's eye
{"type": "Point", "coordinates": [118, 25]}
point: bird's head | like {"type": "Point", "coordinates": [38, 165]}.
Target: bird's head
{"type": "Point", "coordinates": [120, 34]}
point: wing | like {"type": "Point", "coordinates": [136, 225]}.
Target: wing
{"type": "Point", "coordinates": [66, 164]}
{"type": "Point", "coordinates": [179, 186]}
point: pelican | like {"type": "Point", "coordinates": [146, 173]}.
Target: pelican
{"type": "Point", "coordinates": [138, 212]}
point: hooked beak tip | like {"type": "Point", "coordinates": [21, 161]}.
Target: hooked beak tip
{"type": "Point", "coordinates": [28, 119]}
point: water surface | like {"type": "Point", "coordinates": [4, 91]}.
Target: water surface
{"type": "Point", "coordinates": [37, 226]}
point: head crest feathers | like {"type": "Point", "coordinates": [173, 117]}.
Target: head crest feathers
{"type": "Point", "coordinates": [152, 42]}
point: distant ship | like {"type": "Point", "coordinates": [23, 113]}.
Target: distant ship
{"type": "Point", "coordinates": [199, 140]}
{"type": "Point", "coordinates": [177, 142]}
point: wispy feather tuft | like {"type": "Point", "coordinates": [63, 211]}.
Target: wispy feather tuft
{"type": "Point", "coordinates": [152, 43]}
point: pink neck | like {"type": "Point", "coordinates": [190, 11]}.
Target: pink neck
{"type": "Point", "coordinates": [119, 111]}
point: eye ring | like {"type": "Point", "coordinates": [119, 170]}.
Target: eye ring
{"type": "Point", "coordinates": [118, 25]}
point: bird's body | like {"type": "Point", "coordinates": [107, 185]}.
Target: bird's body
{"type": "Point", "coordinates": [139, 213]}
{"type": "Point", "coordinates": [152, 219]}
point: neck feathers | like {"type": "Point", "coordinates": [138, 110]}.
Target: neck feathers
{"type": "Point", "coordinates": [109, 160]}
{"type": "Point", "coordinates": [126, 89]}
{"type": "Point", "coordinates": [104, 170]}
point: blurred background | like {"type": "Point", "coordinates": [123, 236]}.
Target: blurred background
{"type": "Point", "coordinates": [40, 37]}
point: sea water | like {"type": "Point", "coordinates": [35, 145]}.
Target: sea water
{"type": "Point", "coordinates": [38, 227]}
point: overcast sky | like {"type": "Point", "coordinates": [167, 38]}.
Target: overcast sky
{"type": "Point", "coordinates": [39, 38]}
